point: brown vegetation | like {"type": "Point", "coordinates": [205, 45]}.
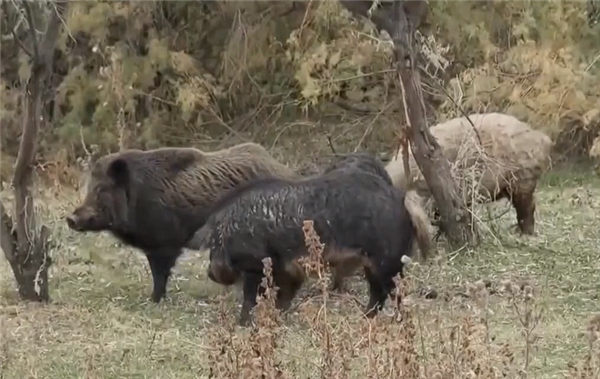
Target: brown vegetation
{"type": "Point", "coordinates": [465, 349]}
{"type": "Point", "coordinates": [130, 72]}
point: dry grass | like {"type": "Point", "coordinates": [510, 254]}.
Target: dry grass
{"type": "Point", "coordinates": [516, 307]}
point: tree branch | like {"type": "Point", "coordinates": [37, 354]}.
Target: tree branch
{"type": "Point", "coordinates": [13, 31]}
{"type": "Point", "coordinates": [41, 63]}
{"type": "Point", "coordinates": [52, 31]}
{"type": "Point", "coordinates": [29, 15]}
{"type": "Point", "coordinates": [401, 19]}
{"type": "Point", "coordinates": [384, 17]}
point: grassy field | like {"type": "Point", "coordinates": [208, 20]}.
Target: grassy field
{"type": "Point", "coordinates": [514, 307]}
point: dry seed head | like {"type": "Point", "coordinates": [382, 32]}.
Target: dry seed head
{"type": "Point", "coordinates": [506, 285]}
{"type": "Point", "coordinates": [594, 329]}
{"type": "Point", "coordinates": [514, 289]}
{"type": "Point", "coordinates": [314, 262]}
{"type": "Point", "coordinates": [528, 292]}
{"type": "Point", "coordinates": [480, 285]}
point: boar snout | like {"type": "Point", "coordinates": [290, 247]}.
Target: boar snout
{"type": "Point", "coordinates": [83, 219]}
{"type": "Point", "coordinates": [72, 222]}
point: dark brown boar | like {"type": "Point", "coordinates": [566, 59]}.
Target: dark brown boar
{"type": "Point", "coordinates": [156, 200]}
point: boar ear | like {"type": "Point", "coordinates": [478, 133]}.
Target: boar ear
{"type": "Point", "coordinates": [118, 171]}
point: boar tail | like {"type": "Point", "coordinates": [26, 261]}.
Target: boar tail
{"type": "Point", "coordinates": [420, 220]}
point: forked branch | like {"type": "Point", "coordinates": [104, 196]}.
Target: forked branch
{"type": "Point", "coordinates": [14, 28]}
{"type": "Point", "coordinates": [40, 71]}
{"type": "Point", "coordinates": [23, 242]}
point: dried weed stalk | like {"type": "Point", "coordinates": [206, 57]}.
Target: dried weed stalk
{"type": "Point", "coordinates": [588, 367]}
{"type": "Point", "coordinates": [225, 356]}
{"type": "Point", "coordinates": [314, 264]}
{"type": "Point", "coordinates": [391, 342]}
{"type": "Point", "coordinates": [472, 164]}
{"type": "Point", "coordinates": [254, 356]}
{"type": "Point", "coordinates": [266, 331]}
{"type": "Point", "coordinates": [464, 349]}
{"type": "Point", "coordinates": [335, 341]}
{"type": "Point", "coordinates": [529, 316]}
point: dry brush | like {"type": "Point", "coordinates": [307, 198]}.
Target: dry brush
{"type": "Point", "coordinates": [414, 341]}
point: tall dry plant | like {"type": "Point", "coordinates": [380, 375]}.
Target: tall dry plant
{"type": "Point", "coordinates": [266, 331]}
{"type": "Point", "coordinates": [391, 341]}
{"type": "Point", "coordinates": [113, 73]}
{"type": "Point", "coordinates": [226, 345]}
{"type": "Point", "coordinates": [335, 341]}
{"type": "Point", "coordinates": [254, 355]}
{"type": "Point", "coordinates": [529, 316]}
{"type": "Point", "coordinates": [588, 366]}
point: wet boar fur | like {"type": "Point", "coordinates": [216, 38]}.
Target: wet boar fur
{"type": "Point", "coordinates": [519, 156]}
{"type": "Point", "coordinates": [413, 203]}
{"type": "Point", "coordinates": [155, 200]}
{"type": "Point", "coordinates": [360, 161]}
{"type": "Point", "coordinates": [358, 215]}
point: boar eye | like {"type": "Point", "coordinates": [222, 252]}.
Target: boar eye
{"type": "Point", "coordinates": [102, 192]}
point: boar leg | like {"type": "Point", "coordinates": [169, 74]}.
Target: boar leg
{"type": "Point", "coordinates": [288, 287]}
{"type": "Point", "coordinates": [376, 294]}
{"type": "Point", "coordinates": [161, 263]}
{"type": "Point", "coordinates": [252, 282]}
{"type": "Point", "coordinates": [339, 272]}
{"type": "Point", "coordinates": [524, 204]}
{"type": "Point", "coordinates": [338, 279]}
{"type": "Point", "coordinates": [381, 285]}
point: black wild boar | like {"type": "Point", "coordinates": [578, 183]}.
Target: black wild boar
{"type": "Point", "coordinates": [358, 215]}
{"type": "Point", "coordinates": [361, 161]}
{"type": "Point", "coordinates": [413, 203]}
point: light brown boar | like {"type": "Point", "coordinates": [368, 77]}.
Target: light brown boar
{"type": "Point", "coordinates": [515, 158]}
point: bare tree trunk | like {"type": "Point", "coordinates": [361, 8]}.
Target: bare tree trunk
{"type": "Point", "coordinates": [25, 243]}
{"type": "Point", "coordinates": [401, 19]}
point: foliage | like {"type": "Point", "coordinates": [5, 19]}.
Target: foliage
{"type": "Point", "coordinates": [539, 65]}
{"type": "Point", "coordinates": [140, 74]}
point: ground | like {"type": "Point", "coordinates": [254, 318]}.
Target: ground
{"type": "Point", "coordinates": [101, 324]}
